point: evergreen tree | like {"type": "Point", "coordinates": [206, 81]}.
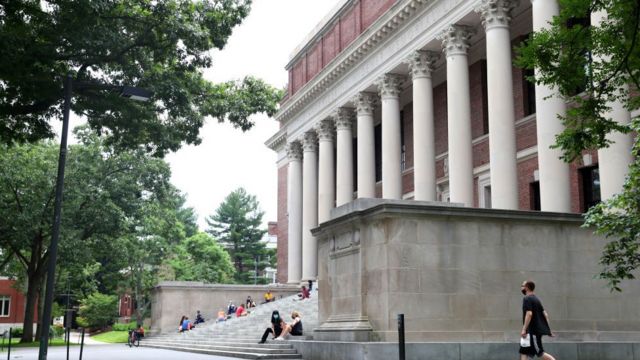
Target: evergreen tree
{"type": "Point", "coordinates": [236, 225]}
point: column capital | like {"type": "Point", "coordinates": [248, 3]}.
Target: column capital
{"type": "Point", "coordinates": [366, 102]}
{"type": "Point", "coordinates": [422, 63]}
{"type": "Point", "coordinates": [455, 39]}
{"type": "Point", "coordinates": [389, 85]}
{"type": "Point", "coordinates": [344, 118]}
{"type": "Point", "coordinates": [294, 151]}
{"type": "Point", "coordinates": [326, 130]}
{"type": "Point", "coordinates": [310, 141]}
{"type": "Point", "coordinates": [496, 13]}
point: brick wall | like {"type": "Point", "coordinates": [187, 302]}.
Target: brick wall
{"type": "Point", "coordinates": [17, 304]}
{"type": "Point", "coordinates": [336, 38]}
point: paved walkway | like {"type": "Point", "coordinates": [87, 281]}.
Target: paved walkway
{"type": "Point", "coordinates": [108, 352]}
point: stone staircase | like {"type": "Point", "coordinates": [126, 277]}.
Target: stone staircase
{"type": "Point", "coordinates": [239, 337]}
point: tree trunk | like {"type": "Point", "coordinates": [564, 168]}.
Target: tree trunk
{"type": "Point", "coordinates": [33, 290]}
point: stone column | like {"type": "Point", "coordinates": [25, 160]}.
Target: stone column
{"type": "Point", "coordinates": [309, 205]}
{"type": "Point", "coordinates": [421, 64]}
{"type": "Point", "coordinates": [365, 103]}
{"type": "Point", "coordinates": [615, 160]}
{"type": "Point", "coordinates": [344, 172]}
{"type": "Point", "coordinates": [496, 16]}
{"type": "Point", "coordinates": [389, 86]}
{"type": "Point", "coordinates": [555, 185]}
{"type": "Point", "coordinates": [294, 210]}
{"type": "Point", "coordinates": [455, 41]}
{"type": "Point", "coordinates": [326, 168]}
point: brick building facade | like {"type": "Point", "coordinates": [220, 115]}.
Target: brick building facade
{"type": "Point", "coordinates": [362, 41]}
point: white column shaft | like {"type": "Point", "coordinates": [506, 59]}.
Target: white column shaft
{"type": "Point", "coordinates": [554, 173]}
{"type": "Point", "coordinates": [391, 149]}
{"type": "Point", "coordinates": [424, 146]}
{"type": "Point", "coordinates": [615, 160]}
{"type": "Point", "coordinates": [366, 156]}
{"type": "Point", "coordinates": [326, 191]}
{"type": "Point", "coordinates": [309, 213]}
{"type": "Point", "coordinates": [502, 132]}
{"type": "Point", "coordinates": [344, 175]}
{"type": "Point", "coordinates": [294, 205]}
{"type": "Point", "coordinates": [459, 130]}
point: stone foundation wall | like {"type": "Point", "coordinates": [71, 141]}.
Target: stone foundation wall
{"type": "Point", "coordinates": [172, 299]}
{"type": "Point", "coordinates": [456, 272]}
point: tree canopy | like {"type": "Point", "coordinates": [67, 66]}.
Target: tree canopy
{"type": "Point", "coordinates": [120, 211]}
{"type": "Point", "coordinates": [236, 225]}
{"type": "Point", "coordinates": [161, 46]}
{"type": "Point", "coordinates": [592, 66]}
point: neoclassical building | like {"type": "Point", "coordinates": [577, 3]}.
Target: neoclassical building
{"type": "Point", "coordinates": [420, 100]}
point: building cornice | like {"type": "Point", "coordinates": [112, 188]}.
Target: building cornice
{"type": "Point", "coordinates": [278, 140]}
{"type": "Point", "coordinates": [369, 40]}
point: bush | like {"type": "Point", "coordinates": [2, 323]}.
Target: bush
{"type": "Point", "coordinates": [124, 327]}
{"type": "Point", "coordinates": [58, 330]}
{"type": "Point", "coordinates": [16, 332]}
{"type": "Point", "coordinates": [99, 310]}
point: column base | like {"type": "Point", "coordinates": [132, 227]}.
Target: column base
{"type": "Point", "coordinates": [345, 328]}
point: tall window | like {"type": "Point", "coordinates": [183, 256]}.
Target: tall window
{"type": "Point", "coordinates": [534, 195]}
{"type": "Point", "coordinates": [403, 151]}
{"type": "Point", "coordinates": [5, 305]}
{"type": "Point", "coordinates": [529, 88]}
{"type": "Point", "coordinates": [590, 177]}
{"type": "Point", "coordinates": [378, 146]}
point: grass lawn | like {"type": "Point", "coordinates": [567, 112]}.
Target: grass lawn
{"type": "Point", "coordinates": [15, 343]}
{"type": "Point", "coordinates": [112, 337]}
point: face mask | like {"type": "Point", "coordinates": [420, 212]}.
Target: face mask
{"type": "Point", "coordinates": [523, 291]}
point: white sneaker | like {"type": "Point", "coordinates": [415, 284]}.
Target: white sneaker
{"type": "Point", "coordinates": [279, 338]}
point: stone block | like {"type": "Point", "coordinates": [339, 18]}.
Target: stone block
{"type": "Point", "coordinates": [449, 281]}
{"type": "Point", "coordinates": [403, 281]}
{"type": "Point", "coordinates": [593, 308]}
{"type": "Point", "coordinates": [604, 351]}
{"type": "Point", "coordinates": [489, 351]}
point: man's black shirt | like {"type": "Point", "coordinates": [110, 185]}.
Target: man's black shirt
{"type": "Point", "coordinates": [538, 324]}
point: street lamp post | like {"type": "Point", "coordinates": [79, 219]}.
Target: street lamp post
{"type": "Point", "coordinates": [126, 91]}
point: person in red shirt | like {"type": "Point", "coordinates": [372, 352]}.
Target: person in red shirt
{"type": "Point", "coordinates": [305, 293]}
{"type": "Point", "coordinates": [239, 310]}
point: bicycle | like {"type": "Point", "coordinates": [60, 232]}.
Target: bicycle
{"type": "Point", "coordinates": [133, 339]}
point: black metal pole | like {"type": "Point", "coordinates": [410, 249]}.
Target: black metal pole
{"type": "Point", "coordinates": [68, 332]}
{"type": "Point", "coordinates": [82, 344]}
{"type": "Point", "coordinates": [55, 233]}
{"type": "Point", "coordinates": [9, 347]}
{"type": "Point", "coordinates": [401, 336]}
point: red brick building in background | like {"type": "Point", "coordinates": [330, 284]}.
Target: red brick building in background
{"type": "Point", "coordinates": [362, 41]}
{"type": "Point", "coordinates": [12, 305]}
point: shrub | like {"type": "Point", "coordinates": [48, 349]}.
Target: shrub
{"type": "Point", "coordinates": [124, 327]}
{"type": "Point", "coordinates": [99, 310]}
{"type": "Point", "coordinates": [16, 332]}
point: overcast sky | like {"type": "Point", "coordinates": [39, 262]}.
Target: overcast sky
{"type": "Point", "coordinates": [227, 158]}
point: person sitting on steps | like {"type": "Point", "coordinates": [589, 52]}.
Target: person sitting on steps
{"type": "Point", "coordinates": [277, 324]}
{"type": "Point", "coordinates": [294, 328]}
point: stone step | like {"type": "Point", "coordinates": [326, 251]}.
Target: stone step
{"type": "Point", "coordinates": [238, 343]}
{"type": "Point", "coordinates": [254, 348]}
{"type": "Point", "coordinates": [236, 354]}
{"type": "Point", "coordinates": [238, 337]}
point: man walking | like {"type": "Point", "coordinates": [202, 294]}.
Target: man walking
{"type": "Point", "coordinates": [535, 323]}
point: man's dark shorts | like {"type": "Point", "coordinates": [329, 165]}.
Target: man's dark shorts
{"type": "Point", "coordinates": [536, 347]}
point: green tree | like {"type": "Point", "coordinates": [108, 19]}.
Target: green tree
{"type": "Point", "coordinates": [236, 225]}
{"type": "Point", "coordinates": [106, 195]}
{"type": "Point", "coordinates": [158, 45]}
{"type": "Point", "coordinates": [98, 310]}
{"type": "Point", "coordinates": [201, 258]}
{"type": "Point", "coordinates": [602, 62]}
